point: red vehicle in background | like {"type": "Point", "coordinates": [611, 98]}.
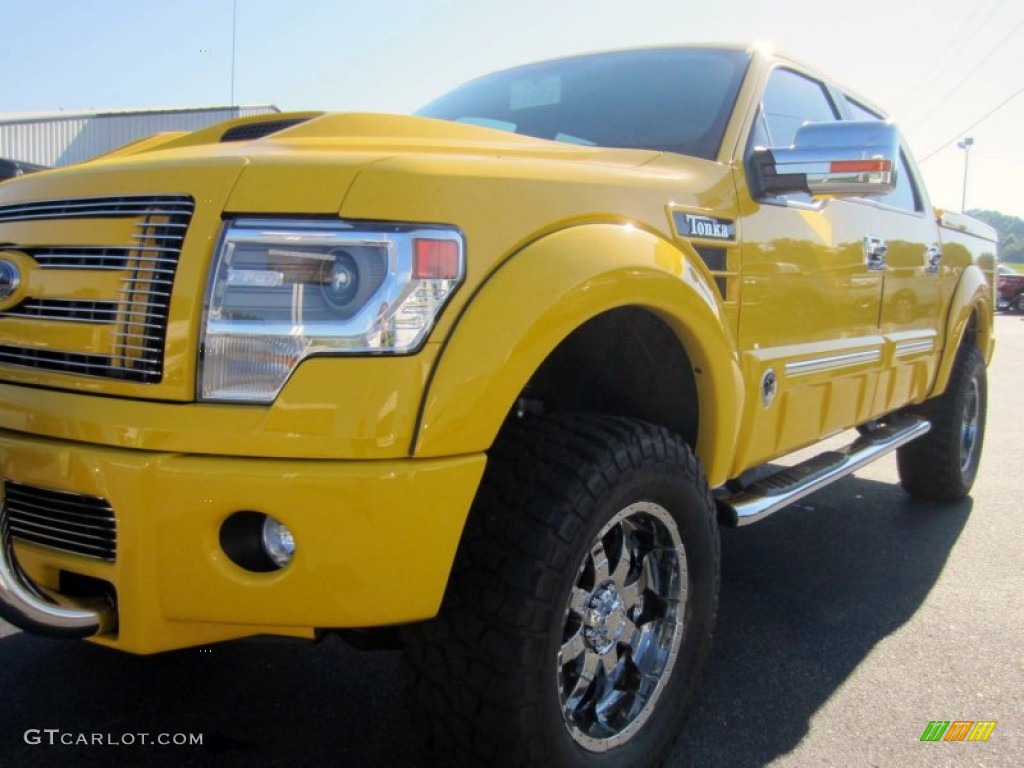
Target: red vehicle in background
{"type": "Point", "coordinates": [1010, 289]}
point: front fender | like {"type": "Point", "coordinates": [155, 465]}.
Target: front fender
{"type": "Point", "coordinates": [972, 295]}
{"type": "Point", "coordinates": [539, 296]}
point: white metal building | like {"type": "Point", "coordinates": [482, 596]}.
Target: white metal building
{"type": "Point", "coordinates": [63, 138]}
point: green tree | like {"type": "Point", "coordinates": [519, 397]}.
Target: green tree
{"type": "Point", "coordinates": [1011, 233]}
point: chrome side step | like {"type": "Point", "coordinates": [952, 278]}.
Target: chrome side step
{"type": "Point", "coordinates": [772, 493]}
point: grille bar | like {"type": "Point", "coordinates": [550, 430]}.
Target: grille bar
{"type": "Point", "coordinates": [99, 257]}
{"type": "Point", "coordinates": [99, 207]}
{"type": "Point", "coordinates": [70, 508]}
{"type": "Point", "coordinates": [71, 522]}
{"type": "Point", "coordinates": [44, 526]}
{"type": "Point", "coordinates": [67, 309]}
{"type": "Point", "coordinates": [85, 364]}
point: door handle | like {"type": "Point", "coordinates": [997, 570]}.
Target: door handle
{"type": "Point", "coordinates": [932, 259]}
{"type": "Point", "coordinates": [875, 249]}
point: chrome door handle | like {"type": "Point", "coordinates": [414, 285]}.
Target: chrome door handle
{"type": "Point", "coordinates": [875, 249]}
{"type": "Point", "coordinates": [932, 258]}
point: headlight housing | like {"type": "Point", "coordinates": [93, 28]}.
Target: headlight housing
{"type": "Point", "coordinates": [284, 290]}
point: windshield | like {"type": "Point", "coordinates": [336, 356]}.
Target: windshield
{"type": "Point", "coordinates": [670, 100]}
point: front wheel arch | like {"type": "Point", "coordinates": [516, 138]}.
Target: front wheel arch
{"type": "Point", "coordinates": [540, 296]}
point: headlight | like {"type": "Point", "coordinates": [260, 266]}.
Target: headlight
{"type": "Point", "coordinates": [282, 291]}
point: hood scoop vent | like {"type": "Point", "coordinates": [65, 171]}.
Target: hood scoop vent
{"type": "Point", "coordinates": [250, 131]}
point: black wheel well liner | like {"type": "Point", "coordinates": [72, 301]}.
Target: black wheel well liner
{"type": "Point", "coordinates": [623, 362]}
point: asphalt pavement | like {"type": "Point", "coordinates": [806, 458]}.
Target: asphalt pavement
{"type": "Point", "coordinates": [847, 623]}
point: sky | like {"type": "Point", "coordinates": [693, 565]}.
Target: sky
{"type": "Point", "coordinates": [943, 69]}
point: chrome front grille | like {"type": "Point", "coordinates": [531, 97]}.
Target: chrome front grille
{"type": "Point", "coordinates": [70, 522]}
{"type": "Point", "coordinates": [136, 314]}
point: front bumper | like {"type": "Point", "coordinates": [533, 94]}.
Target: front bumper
{"type": "Point", "coordinates": [375, 541]}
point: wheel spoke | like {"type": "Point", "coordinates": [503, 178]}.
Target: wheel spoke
{"type": "Point", "coordinates": [630, 633]}
{"type": "Point", "coordinates": [630, 593]}
{"type": "Point", "coordinates": [621, 569]}
{"type": "Point", "coordinates": [587, 673]}
{"type": "Point", "coordinates": [578, 601]}
{"type": "Point", "coordinates": [599, 559]}
{"type": "Point", "coordinates": [651, 573]}
{"type": "Point", "coordinates": [572, 648]}
{"type": "Point", "coordinates": [609, 660]}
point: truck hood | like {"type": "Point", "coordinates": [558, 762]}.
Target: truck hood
{"type": "Point", "coordinates": [317, 160]}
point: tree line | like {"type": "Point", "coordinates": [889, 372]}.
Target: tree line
{"type": "Point", "coordinates": [1011, 233]}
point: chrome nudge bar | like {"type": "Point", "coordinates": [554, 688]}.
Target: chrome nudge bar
{"type": "Point", "coordinates": [27, 606]}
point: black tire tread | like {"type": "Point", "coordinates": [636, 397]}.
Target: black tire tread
{"type": "Point", "coordinates": [929, 467]}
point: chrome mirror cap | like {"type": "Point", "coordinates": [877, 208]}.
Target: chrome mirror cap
{"type": "Point", "coordinates": [841, 159]}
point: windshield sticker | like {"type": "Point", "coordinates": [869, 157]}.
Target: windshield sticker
{"type": "Point", "coordinates": [692, 225]}
{"type": "Point", "coordinates": [536, 93]}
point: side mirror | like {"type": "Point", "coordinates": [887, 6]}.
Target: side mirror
{"type": "Point", "coordinates": [842, 159]}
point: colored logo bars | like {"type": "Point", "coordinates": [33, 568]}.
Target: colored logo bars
{"type": "Point", "coordinates": [958, 730]}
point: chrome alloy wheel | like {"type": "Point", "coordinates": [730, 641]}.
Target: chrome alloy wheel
{"type": "Point", "coordinates": [970, 425]}
{"type": "Point", "coordinates": [622, 627]}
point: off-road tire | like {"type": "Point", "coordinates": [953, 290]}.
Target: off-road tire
{"type": "Point", "coordinates": [943, 464]}
{"type": "Point", "coordinates": [490, 676]}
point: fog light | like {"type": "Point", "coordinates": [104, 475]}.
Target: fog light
{"type": "Point", "coordinates": [278, 542]}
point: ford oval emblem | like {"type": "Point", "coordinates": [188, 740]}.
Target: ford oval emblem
{"type": "Point", "coordinates": [10, 278]}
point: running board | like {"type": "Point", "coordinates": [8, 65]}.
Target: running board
{"type": "Point", "coordinates": [772, 493]}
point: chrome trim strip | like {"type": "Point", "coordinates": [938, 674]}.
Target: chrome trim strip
{"type": "Point", "coordinates": [833, 362]}
{"type": "Point", "coordinates": [914, 347]}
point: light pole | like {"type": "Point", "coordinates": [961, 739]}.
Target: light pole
{"type": "Point", "coordinates": [234, 27]}
{"type": "Point", "coordinates": [965, 145]}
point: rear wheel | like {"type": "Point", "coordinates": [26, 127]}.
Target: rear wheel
{"type": "Point", "coordinates": [943, 464]}
{"type": "Point", "coordinates": [578, 618]}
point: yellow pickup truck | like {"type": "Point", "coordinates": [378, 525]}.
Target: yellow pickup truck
{"type": "Point", "coordinates": [485, 380]}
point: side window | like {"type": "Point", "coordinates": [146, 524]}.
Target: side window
{"type": "Point", "coordinates": [790, 100]}
{"type": "Point", "coordinates": [905, 196]}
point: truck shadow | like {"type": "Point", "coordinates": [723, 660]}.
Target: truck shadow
{"type": "Point", "coordinates": [806, 595]}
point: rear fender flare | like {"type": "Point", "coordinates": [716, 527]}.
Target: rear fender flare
{"type": "Point", "coordinates": [972, 297]}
